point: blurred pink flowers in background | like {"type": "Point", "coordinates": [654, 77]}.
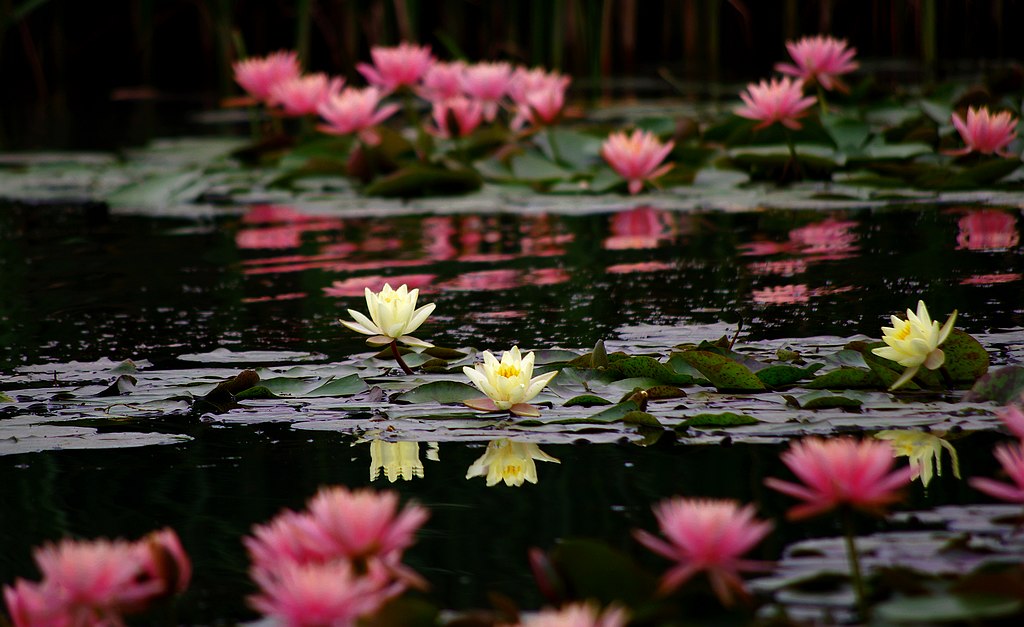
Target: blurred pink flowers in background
{"type": "Point", "coordinates": [303, 95]}
{"type": "Point", "coordinates": [1012, 416]}
{"type": "Point", "coordinates": [987, 229]}
{"type": "Point", "coordinates": [464, 112]}
{"type": "Point", "coordinates": [442, 80]}
{"type": "Point", "coordinates": [1011, 458]}
{"type": "Point", "coordinates": [984, 132]}
{"type": "Point", "coordinates": [577, 615]}
{"type": "Point", "coordinates": [399, 66]}
{"type": "Point", "coordinates": [779, 100]}
{"type": "Point", "coordinates": [636, 157]}
{"type": "Point", "coordinates": [841, 472]}
{"type": "Point", "coordinates": [706, 535]}
{"type": "Point", "coordinates": [539, 96]}
{"type": "Point", "coordinates": [355, 111]}
{"type": "Point", "coordinates": [259, 75]}
{"type": "Point", "coordinates": [487, 82]}
{"type": "Point", "coordinates": [820, 60]}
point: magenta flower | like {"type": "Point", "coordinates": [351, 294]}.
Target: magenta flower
{"type": "Point", "coordinates": [319, 595]}
{"type": "Point", "coordinates": [577, 615]}
{"type": "Point", "coordinates": [465, 113]}
{"type": "Point", "coordinates": [539, 96]}
{"type": "Point", "coordinates": [355, 111]}
{"type": "Point", "coordinates": [442, 81]}
{"type": "Point", "coordinates": [706, 535]}
{"type": "Point", "coordinates": [820, 59]}
{"type": "Point", "coordinates": [1013, 417]}
{"type": "Point", "coordinates": [259, 75]}
{"type": "Point", "coordinates": [841, 472]}
{"type": "Point", "coordinates": [400, 66]}
{"type": "Point", "coordinates": [488, 83]}
{"type": "Point", "coordinates": [285, 539]}
{"type": "Point", "coordinates": [1011, 457]}
{"type": "Point", "coordinates": [305, 94]}
{"type": "Point", "coordinates": [636, 157]}
{"type": "Point", "coordinates": [779, 100]}
{"type": "Point", "coordinates": [985, 132]}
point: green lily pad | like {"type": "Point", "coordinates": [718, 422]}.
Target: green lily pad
{"type": "Point", "coordinates": [647, 367]}
{"type": "Point", "coordinates": [447, 354]}
{"type": "Point", "coordinates": [594, 570]}
{"type": "Point", "coordinates": [5, 399]}
{"type": "Point", "coordinates": [614, 413]}
{"type": "Point", "coordinates": [344, 386]}
{"type": "Point", "coordinates": [641, 418]}
{"type": "Point", "coordinates": [444, 392]}
{"type": "Point", "coordinates": [946, 608]}
{"type": "Point", "coordinates": [966, 359]}
{"type": "Point", "coordinates": [724, 419]}
{"type": "Point", "coordinates": [530, 166]}
{"type": "Point", "coordinates": [586, 400]}
{"type": "Point", "coordinates": [823, 400]}
{"type": "Point", "coordinates": [1002, 386]}
{"type": "Point", "coordinates": [423, 180]}
{"type": "Point", "coordinates": [846, 378]}
{"type": "Point", "coordinates": [723, 373]}
{"type": "Point", "coordinates": [780, 375]}
{"type": "Point", "coordinates": [258, 392]}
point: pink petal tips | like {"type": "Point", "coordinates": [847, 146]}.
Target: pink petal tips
{"type": "Point", "coordinates": [779, 100]}
{"type": "Point", "coordinates": [636, 157]}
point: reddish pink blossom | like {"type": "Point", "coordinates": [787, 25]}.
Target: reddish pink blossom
{"type": "Point", "coordinates": [577, 615]}
{"type": "Point", "coordinates": [706, 535]}
{"type": "Point", "coordinates": [1011, 457]}
{"type": "Point", "coordinates": [355, 111]}
{"type": "Point", "coordinates": [399, 66]}
{"type": "Point", "coordinates": [488, 83]}
{"type": "Point", "coordinates": [539, 96]}
{"type": "Point", "coordinates": [327, 594]}
{"type": "Point", "coordinates": [820, 59]}
{"type": "Point", "coordinates": [259, 75]}
{"type": "Point", "coordinates": [465, 113]}
{"type": "Point", "coordinates": [987, 229]}
{"type": "Point", "coordinates": [841, 472]}
{"type": "Point", "coordinates": [442, 80]}
{"type": "Point", "coordinates": [636, 157]}
{"type": "Point", "coordinates": [639, 267]}
{"type": "Point", "coordinates": [35, 605]}
{"type": "Point", "coordinates": [1013, 417]}
{"type": "Point", "coordinates": [779, 100]}
{"type": "Point", "coordinates": [165, 560]}
{"type": "Point", "coordinates": [304, 95]}
{"type": "Point", "coordinates": [285, 539]}
{"type": "Point", "coordinates": [985, 132]}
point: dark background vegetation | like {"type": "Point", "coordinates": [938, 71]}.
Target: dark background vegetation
{"type": "Point", "coordinates": [64, 57]}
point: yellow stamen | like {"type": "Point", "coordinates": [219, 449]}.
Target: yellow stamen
{"type": "Point", "coordinates": [903, 331]}
{"type": "Point", "coordinates": [508, 371]}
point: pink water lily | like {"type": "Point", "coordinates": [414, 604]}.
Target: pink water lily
{"type": "Point", "coordinates": [779, 100]}
{"type": "Point", "coordinates": [636, 157]}
{"type": "Point", "coordinates": [305, 94]}
{"type": "Point", "coordinates": [841, 472]}
{"type": "Point", "coordinates": [399, 66]}
{"type": "Point", "coordinates": [577, 615]}
{"type": "Point", "coordinates": [1013, 417]}
{"type": "Point", "coordinates": [1011, 458]}
{"type": "Point", "coordinates": [442, 80]}
{"type": "Point", "coordinates": [820, 59]}
{"type": "Point", "coordinates": [488, 83]}
{"type": "Point", "coordinates": [984, 132]}
{"type": "Point", "coordinates": [355, 111]}
{"type": "Point", "coordinates": [706, 535]}
{"type": "Point", "coordinates": [464, 112]}
{"type": "Point", "coordinates": [259, 75]}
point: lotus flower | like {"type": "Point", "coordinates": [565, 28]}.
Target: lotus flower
{"type": "Point", "coordinates": [636, 157]}
{"type": "Point", "coordinates": [400, 66]}
{"type": "Point", "coordinates": [259, 75]}
{"type": "Point", "coordinates": [779, 100]}
{"type": "Point", "coordinates": [577, 615]}
{"type": "Point", "coordinates": [465, 113]}
{"type": "Point", "coordinates": [442, 80]}
{"type": "Point", "coordinates": [915, 342]}
{"type": "Point", "coordinates": [821, 60]}
{"type": "Point", "coordinates": [841, 472]}
{"type": "Point", "coordinates": [1011, 457]}
{"type": "Point", "coordinates": [507, 384]}
{"type": "Point", "coordinates": [985, 132]}
{"type": "Point", "coordinates": [539, 97]}
{"type": "Point", "coordinates": [355, 111]}
{"type": "Point", "coordinates": [487, 83]}
{"type": "Point", "coordinates": [923, 450]}
{"type": "Point", "coordinates": [393, 315]}
{"type": "Point", "coordinates": [509, 461]}
{"type": "Point", "coordinates": [1013, 417]}
{"type": "Point", "coordinates": [706, 535]}
{"type": "Point", "coordinates": [305, 94]}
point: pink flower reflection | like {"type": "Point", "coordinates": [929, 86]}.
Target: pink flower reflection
{"type": "Point", "coordinates": [504, 279]}
{"type": "Point", "coordinates": [644, 266]}
{"type": "Point", "coordinates": [830, 237]}
{"type": "Point", "coordinates": [356, 285]}
{"type": "Point", "coordinates": [987, 229]}
{"type": "Point", "coordinates": [642, 227]}
{"type": "Point", "coordinates": [292, 224]}
{"type": "Point", "coordinates": [782, 295]}
{"type": "Point", "coordinates": [991, 279]}
{"type": "Point", "coordinates": [783, 267]}
{"type": "Point", "coordinates": [275, 297]}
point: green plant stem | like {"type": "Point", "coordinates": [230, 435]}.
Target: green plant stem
{"type": "Point", "coordinates": [821, 101]}
{"type": "Point", "coordinates": [555, 154]}
{"type": "Point", "coordinates": [398, 357]}
{"type": "Point", "coordinates": [855, 574]}
{"type": "Point", "coordinates": [793, 161]}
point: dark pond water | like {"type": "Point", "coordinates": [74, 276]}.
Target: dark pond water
{"type": "Point", "coordinates": [80, 283]}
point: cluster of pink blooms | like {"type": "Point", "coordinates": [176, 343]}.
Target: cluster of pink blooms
{"type": "Point", "coordinates": [462, 95]}
{"type": "Point", "coordinates": [335, 562]}
{"type": "Point", "coordinates": [1011, 458]}
{"type": "Point", "coordinates": [818, 60]}
{"type": "Point", "coordinates": [96, 583]}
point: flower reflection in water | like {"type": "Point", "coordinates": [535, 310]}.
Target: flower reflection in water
{"type": "Point", "coordinates": [642, 227]}
{"type": "Point", "coordinates": [398, 460]}
{"type": "Point", "coordinates": [509, 461]}
{"type": "Point", "coordinates": [287, 227]}
{"type": "Point", "coordinates": [355, 286]}
{"type": "Point", "coordinates": [782, 295]}
{"type": "Point", "coordinates": [829, 239]}
{"type": "Point", "coordinates": [987, 229]}
{"type": "Point", "coordinates": [992, 279]}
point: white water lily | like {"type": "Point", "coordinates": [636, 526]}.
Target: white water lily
{"type": "Point", "coordinates": [923, 450]}
{"type": "Point", "coordinates": [393, 316]}
{"type": "Point", "coordinates": [915, 342]}
{"type": "Point", "coordinates": [509, 461]}
{"type": "Point", "coordinates": [508, 383]}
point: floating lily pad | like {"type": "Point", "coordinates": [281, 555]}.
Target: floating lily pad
{"type": "Point", "coordinates": [824, 400]}
{"type": "Point", "coordinates": [947, 608]}
{"type": "Point", "coordinates": [444, 392]}
{"type": "Point", "coordinates": [422, 180]}
{"type": "Point", "coordinates": [966, 359]}
{"type": "Point", "coordinates": [586, 400]}
{"type": "Point", "coordinates": [724, 419]}
{"type": "Point", "coordinates": [259, 392]}
{"type": "Point", "coordinates": [647, 367]}
{"type": "Point", "coordinates": [1002, 386]}
{"type": "Point", "coordinates": [780, 375]}
{"type": "Point", "coordinates": [844, 379]}
{"type": "Point", "coordinates": [723, 373]}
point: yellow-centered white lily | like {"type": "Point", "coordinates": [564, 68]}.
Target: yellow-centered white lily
{"type": "Point", "coordinates": [915, 342]}
{"type": "Point", "coordinates": [393, 316]}
{"type": "Point", "coordinates": [509, 461]}
{"type": "Point", "coordinates": [923, 450]}
{"type": "Point", "coordinates": [509, 384]}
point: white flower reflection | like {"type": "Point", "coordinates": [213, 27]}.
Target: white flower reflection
{"type": "Point", "coordinates": [509, 461]}
{"type": "Point", "coordinates": [398, 460]}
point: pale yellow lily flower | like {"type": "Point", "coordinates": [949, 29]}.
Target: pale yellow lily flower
{"type": "Point", "coordinates": [393, 316]}
{"type": "Point", "coordinates": [398, 460]}
{"type": "Point", "coordinates": [509, 461]}
{"type": "Point", "coordinates": [508, 383]}
{"type": "Point", "coordinates": [915, 342]}
{"type": "Point", "coordinates": [923, 450]}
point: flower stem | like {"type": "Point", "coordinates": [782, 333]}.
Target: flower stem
{"type": "Point", "coordinates": [555, 155]}
{"type": "Point", "coordinates": [855, 575]}
{"type": "Point", "coordinates": [793, 163]}
{"type": "Point", "coordinates": [822, 102]}
{"type": "Point", "coordinates": [398, 357]}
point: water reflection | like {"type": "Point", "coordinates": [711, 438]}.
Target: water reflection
{"type": "Point", "coordinates": [642, 227]}
{"type": "Point", "coordinates": [509, 461]}
{"type": "Point", "coordinates": [829, 239]}
{"type": "Point", "coordinates": [399, 460]}
{"type": "Point", "coordinates": [987, 229]}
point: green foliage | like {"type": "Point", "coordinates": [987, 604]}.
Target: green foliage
{"type": "Point", "coordinates": [723, 373]}
{"type": "Point", "coordinates": [444, 392]}
{"type": "Point", "coordinates": [717, 421]}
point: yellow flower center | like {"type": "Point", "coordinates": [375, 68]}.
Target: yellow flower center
{"type": "Point", "coordinates": [903, 332]}
{"type": "Point", "coordinates": [508, 371]}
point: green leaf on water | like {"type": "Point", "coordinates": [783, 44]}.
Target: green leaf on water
{"type": "Point", "coordinates": [724, 419]}
{"type": "Point", "coordinates": [5, 399]}
{"type": "Point", "coordinates": [663, 392]}
{"type": "Point", "coordinates": [440, 352]}
{"type": "Point", "coordinates": [947, 608]}
{"type": "Point", "coordinates": [344, 386]}
{"type": "Point", "coordinates": [444, 392]}
{"type": "Point", "coordinates": [594, 570]}
{"type": "Point", "coordinates": [780, 375]}
{"type": "Point", "coordinates": [1002, 386]}
{"type": "Point", "coordinates": [423, 180]}
{"type": "Point", "coordinates": [641, 418]}
{"type": "Point", "coordinates": [845, 378]}
{"type": "Point", "coordinates": [586, 400]}
{"type": "Point", "coordinates": [532, 167]}
{"type": "Point", "coordinates": [614, 413]}
{"type": "Point", "coordinates": [966, 359]}
{"type": "Point", "coordinates": [259, 392]}
{"type": "Point", "coordinates": [723, 373]}
{"type": "Point", "coordinates": [647, 367]}
{"type": "Point", "coordinates": [823, 400]}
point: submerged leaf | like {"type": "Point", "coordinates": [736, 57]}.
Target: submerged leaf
{"type": "Point", "coordinates": [946, 608]}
